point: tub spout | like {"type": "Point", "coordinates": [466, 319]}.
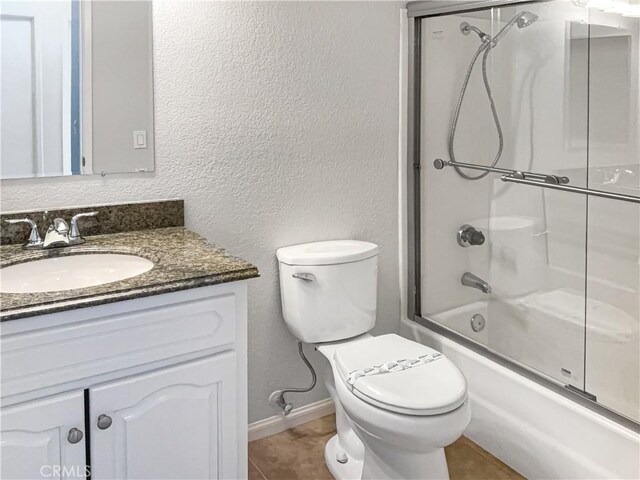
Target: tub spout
{"type": "Point", "coordinates": [470, 280]}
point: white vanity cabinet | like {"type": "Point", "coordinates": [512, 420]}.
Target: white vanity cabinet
{"type": "Point", "coordinates": [43, 438]}
{"type": "Point", "coordinates": [156, 388]}
{"type": "Point", "coordinates": [141, 425]}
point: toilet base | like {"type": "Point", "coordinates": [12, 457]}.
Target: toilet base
{"type": "Point", "coordinates": [393, 464]}
{"type": "Point", "coordinates": [351, 470]}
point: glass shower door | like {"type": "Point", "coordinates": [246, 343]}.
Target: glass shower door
{"type": "Point", "coordinates": [538, 236]}
{"type": "Point", "coordinates": [521, 292]}
{"type": "Point", "coordinates": [613, 241]}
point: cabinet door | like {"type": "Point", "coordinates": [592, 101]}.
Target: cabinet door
{"type": "Point", "coordinates": [177, 422]}
{"type": "Point", "coordinates": [37, 438]}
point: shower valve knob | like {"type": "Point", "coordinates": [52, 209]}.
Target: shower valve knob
{"type": "Point", "coordinates": [468, 236]}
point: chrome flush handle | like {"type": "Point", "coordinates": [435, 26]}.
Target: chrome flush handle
{"type": "Point", "coordinates": [307, 277]}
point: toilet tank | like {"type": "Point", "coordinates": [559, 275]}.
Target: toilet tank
{"type": "Point", "coordinates": [328, 289]}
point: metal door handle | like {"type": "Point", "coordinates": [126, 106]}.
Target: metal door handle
{"type": "Point", "coordinates": [104, 422]}
{"type": "Point", "coordinates": [515, 178]}
{"type": "Point", "coordinates": [307, 277]}
{"type": "Point", "coordinates": [75, 435]}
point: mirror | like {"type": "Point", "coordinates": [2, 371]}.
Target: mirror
{"type": "Point", "coordinates": [76, 88]}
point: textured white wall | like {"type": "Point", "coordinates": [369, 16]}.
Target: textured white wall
{"type": "Point", "coordinates": [277, 123]}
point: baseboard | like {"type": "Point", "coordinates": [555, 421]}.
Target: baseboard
{"type": "Point", "coordinates": [280, 423]}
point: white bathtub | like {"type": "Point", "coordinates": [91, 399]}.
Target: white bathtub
{"type": "Point", "coordinates": [545, 331]}
{"type": "Point", "coordinates": [536, 431]}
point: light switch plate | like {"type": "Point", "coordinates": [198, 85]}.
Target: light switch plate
{"type": "Point", "coordinates": [139, 139]}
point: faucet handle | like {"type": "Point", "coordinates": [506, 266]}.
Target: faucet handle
{"type": "Point", "coordinates": [34, 236]}
{"type": "Point", "coordinates": [75, 232]}
{"type": "Point", "coordinates": [467, 236]}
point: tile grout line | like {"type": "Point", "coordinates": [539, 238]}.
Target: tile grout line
{"type": "Point", "coordinates": [256, 467]}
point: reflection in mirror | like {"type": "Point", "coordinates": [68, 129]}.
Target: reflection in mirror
{"type": "Point", "coordinates": [607, 51]}
{"type": "Point", "coordinates": [76, 88]}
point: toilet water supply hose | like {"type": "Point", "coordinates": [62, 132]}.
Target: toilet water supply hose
{"type": "Point", "coordinates": [277, 397]}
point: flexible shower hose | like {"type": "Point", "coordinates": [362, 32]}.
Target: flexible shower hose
{"type": "Point", "coordinates": [486, 48]}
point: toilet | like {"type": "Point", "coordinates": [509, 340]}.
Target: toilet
{"type": "Point", "coordinates": [398, 403]}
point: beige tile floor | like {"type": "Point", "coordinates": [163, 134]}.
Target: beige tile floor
{"type": "Point", "coordinates": [298, 454]}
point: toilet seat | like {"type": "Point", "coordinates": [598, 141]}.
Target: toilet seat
{"type": "Point", "coordinates": [410, 378]}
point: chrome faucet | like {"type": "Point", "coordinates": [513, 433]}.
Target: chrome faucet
{"type": "Point", "coordinates": [470, 280]}
{"type": "Point", "coordinates": [59, 234]}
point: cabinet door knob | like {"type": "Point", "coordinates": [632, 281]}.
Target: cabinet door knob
{"type": "Point", "coordinates": [75, 435]}
{"type": "Point", "coordinates": [104, 422]}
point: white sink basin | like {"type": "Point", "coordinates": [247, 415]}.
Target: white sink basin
{"type": "Point", "coordinates": [70, 272]}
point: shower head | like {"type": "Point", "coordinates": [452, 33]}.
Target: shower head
{"type": "Point", "coordinates": [524, 19]}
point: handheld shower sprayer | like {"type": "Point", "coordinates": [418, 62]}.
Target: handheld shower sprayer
{"type": "Point", "coordinates": [525, 19]}
{"type": "Point", "coordinates": [521, 19]}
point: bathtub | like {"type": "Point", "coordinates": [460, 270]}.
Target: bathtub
{"type": "Point", "coordinates": [545, 331]}
{"type": "Point", "coordinates": [538, 432]}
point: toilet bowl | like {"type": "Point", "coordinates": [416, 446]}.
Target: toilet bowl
{"type": "Point", "coordinates": [397, 441]}
{"type": "Point", "coordinates": [398, 403]}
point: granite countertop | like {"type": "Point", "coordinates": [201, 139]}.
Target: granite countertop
{"type": "Point", "coordinates": [182, 260]}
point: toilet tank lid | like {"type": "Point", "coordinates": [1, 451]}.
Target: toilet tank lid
{"type": "Point", "coordinates": [327, 253]}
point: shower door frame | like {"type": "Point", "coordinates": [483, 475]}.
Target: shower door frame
{"type": "Point", "coordinates": [416, 12]}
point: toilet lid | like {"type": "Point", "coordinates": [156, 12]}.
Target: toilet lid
{"type": "Point", "coordinates": [331, 252]}
{"type": "Point", "coordinates": [401, 376]}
